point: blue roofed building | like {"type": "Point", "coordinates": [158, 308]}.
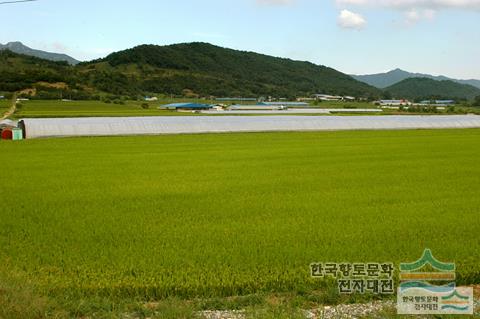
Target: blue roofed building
{"type": "Point", "coordinates": [186, 106]}
{"type": "Point", "coordinates": [438, 102]}
{"type": "Point", "coordinates": [284, 103]}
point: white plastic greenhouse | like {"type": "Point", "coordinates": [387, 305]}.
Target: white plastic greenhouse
{"type": "Point", "coordinates": [110, 126]}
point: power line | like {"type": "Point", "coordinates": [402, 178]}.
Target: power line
{"type": "Point", "coordinates": [16, 1]}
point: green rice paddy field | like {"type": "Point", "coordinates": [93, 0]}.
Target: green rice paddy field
{"type": "Point", "coordinates": [221, 215]}
{"type": "Point", "coordinates": [55, 108]}
{"type": "Point", "coordinates": [50, 108]}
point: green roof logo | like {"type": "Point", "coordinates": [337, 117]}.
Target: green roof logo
{"type": "Point", "coordinates": [454, 294]}
{"type": "Point", "coordinates": [419, 283]}
{"type": "Point", "coordinates": [456, 301]}
{"type": "Point", "coordinates": [427, 259]}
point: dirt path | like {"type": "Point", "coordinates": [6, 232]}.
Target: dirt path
{"type": "Point", "coordinates": [376, 309]}
{"type": "Point", "coordinates": [12, 109]}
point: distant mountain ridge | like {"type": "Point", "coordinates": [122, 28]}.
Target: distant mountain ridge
{"type": "Point", "coordinates": [427, 89]}
{"type": "Point", "coordinates": [20, 48]}
{"type": "Point", "coordinates": [187, 69]}
{"type": "Point", "coordinates": [383, 80]}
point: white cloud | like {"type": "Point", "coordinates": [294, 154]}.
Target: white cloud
{"type": "Point", "coordinates": [415, 10]}
{"type": "Point", "coordinates": [351, 20]}
{"type": "Point", "coordinates": [429, 14]}
{"type": "Point", "coordinates": [413, 16]}
{"type": "Point", "coordinates": [416, 4]}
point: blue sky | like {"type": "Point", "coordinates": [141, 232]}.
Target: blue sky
{"type": "Point", "coordinates": [353, 36]}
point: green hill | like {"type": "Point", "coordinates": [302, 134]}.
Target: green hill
{"type": "Point", "coordinates": [48, 79]}
{"type": "Point", "coordinates": [423, 88]}
{"type": "Point", "coordinates": [210, 70]}
{"type": "Point", "coordinates": [19, 71]}
{"type": "Point", "coordinates": [194, 68]}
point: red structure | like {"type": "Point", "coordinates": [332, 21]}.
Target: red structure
{"type": "Point", "coordinates": [7, 134]}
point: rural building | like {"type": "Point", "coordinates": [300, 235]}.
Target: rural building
{"type": "Point", "coordinates": [12, 134]}
{"type": "Point", "coordinates": [326, 97]}
{"type": "Point", "coordinates": [219, 107]}
{"type": "Point", "coordinates": [6, 127]}
{"type": "Point", "coordinates": [149, 125]}
{"type": "Point", "coordinates": [7, 124]}
{"type": "Point", "coordinates": [151, 99]}
{"type": "Point", "coordinates": [438, 102]}
{"type": "Point", "coordinates": [287, 104]}
{"type": "Point", "coordinates": [394, 102]}
{"type": "Point", "coordinates": [445, 102]}
{"type": "Point", "coordinates": [303, 99]}
{"type": "Point", "coordinates": [257, 107]}
{"type": "Point", "coordinates": [186, 106]}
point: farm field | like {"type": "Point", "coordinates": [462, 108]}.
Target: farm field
{"type": "Point", "coordinates": [50, 108]}
{"type": "Point", "coordinates": [4, 106]}
{"type": "Point", "coordinates": [342, 105]}
{"type": "Point", "coordinates": [219, 215]}
{"type": "Point", "coordinates": [56, 108]}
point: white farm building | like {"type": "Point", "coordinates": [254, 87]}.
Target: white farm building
{"type": "Point", "coordinates": [114, 126]}
{"type": "Point", "coordinates": [395, 103]}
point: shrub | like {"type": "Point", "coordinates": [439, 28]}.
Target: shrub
{"type": "Point", "coordinates": [477, 101]}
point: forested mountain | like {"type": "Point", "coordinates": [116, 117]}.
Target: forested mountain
{"type": "Point", "coordinates": [208, 69]}
{"type": "Point", "coordinates": [18, 71]}
{"type": "Point", "coordinates": [198, 68]}
{"type": "Point", "coordinates": [423, 88]}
